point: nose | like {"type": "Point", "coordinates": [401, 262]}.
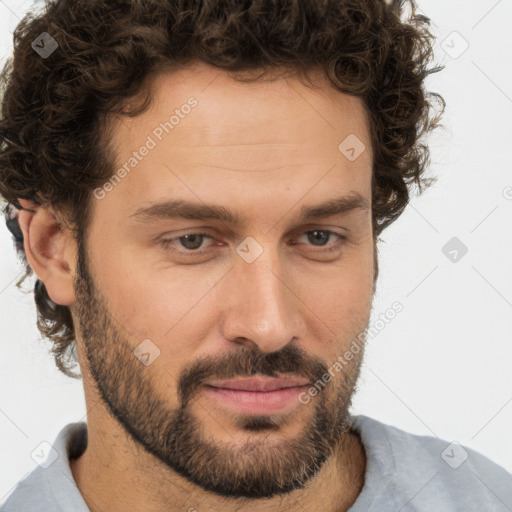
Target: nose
{"type": "Point", "coordinates": [263, 310]}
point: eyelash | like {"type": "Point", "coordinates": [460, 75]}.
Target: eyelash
{"type": "Point", "coordinates": [166, 243]}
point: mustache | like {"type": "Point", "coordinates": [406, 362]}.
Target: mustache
{"type": "Point", "coordinates": [290, 360]}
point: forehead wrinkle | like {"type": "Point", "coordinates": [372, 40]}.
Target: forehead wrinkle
{"type": "Point", "coordinates": [264, 145]}
{"type": "Point", "coordinates": [223, 168]}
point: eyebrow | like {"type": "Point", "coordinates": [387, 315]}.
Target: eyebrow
{"type": "Point", "coordinates": [179, 208]}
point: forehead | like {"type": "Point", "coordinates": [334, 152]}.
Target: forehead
{"type": "Point", "coordinates": [253, 113]}
{"type": "Point", "coordinates": [211, 136]}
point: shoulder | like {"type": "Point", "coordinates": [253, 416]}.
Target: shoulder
{"type": "Point", "coordinates": [430, 470]}
{"type": "Point", "coordinates": [50, 486]}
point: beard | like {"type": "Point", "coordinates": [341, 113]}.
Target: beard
{"type": "Point", "coordinates": [267, 464]}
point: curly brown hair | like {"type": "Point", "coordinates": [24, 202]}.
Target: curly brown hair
{"type": "Point", "coordinates": [53, 148]}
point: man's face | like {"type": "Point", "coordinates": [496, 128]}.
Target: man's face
{"type": "Point", "coordinates": [288, 301]}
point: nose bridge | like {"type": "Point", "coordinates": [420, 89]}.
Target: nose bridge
{"type": "Point", "coordinates": [263, 309]}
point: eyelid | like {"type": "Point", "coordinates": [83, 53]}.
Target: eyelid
{"type": "Point", "coordinates": [166, 243]}
{"type": "Point", "coordinates": [212, 231]}
{"type": "Point", "coordinates": [330, 246]}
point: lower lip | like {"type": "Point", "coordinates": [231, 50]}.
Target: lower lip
{"type": "Point", "coordinates": [256, 402]}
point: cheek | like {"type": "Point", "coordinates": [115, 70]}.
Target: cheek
{"type": "Point", "coordinates": [343, 287]}
{"type": "Point", "coordinates": [148, 298]}
{"type": "Point", "coordinates": [169, 306]}
{"type": "Point", "coordinates": [339, 302]}
{"type": "Point", "coordinates": [340, 308]}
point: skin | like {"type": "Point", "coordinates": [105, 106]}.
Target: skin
{"type": "Point", "coordinates": [156, 440]}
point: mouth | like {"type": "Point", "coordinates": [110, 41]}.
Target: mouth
{"type": "Point", "coordinates": [257, 395]}
{"type": "Point", "coordinates": [259, 383]}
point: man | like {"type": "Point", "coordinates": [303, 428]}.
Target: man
{"type": "Point", "coordinates": [200, 190]}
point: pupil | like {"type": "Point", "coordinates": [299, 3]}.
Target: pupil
{"type": "Point", "coordinates": [313, 235]}
{"type": "Point", "coordinates": [195, 240]}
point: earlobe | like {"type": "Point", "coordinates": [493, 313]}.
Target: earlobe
{"type": "Point", "coordinates": [47, 244]}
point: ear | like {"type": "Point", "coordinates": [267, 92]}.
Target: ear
{"type": "Point", "coordinates": [50, 249]}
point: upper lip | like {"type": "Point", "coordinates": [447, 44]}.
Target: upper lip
{"type": "Point", "coordinates": [259, 383]}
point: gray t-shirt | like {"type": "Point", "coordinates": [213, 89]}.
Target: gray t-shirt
{"type": "Point", "coordinates": [404, 472]}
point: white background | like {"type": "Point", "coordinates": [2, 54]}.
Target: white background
{"type": "Point", "coordinates": [442, 367]}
